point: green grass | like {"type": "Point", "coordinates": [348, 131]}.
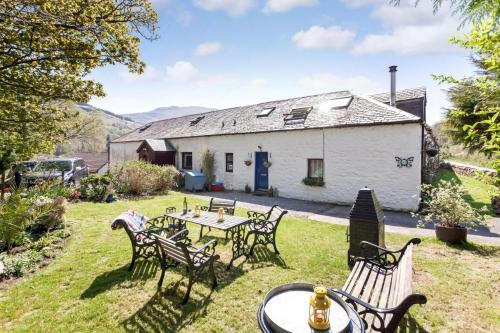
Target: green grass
{"type": "Point", "coordinates": [477, 197]}
{"type": "Point", "coordinates": [88, 289]}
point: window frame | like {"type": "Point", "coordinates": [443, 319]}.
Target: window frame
{"type": "Point", "coordinates": [183, 161]}
{"type": "Point", "coordinates": [230, 162]}
{"type": "Point", "coordinates": [310, 169]}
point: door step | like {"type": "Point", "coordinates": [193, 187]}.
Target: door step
{"type": "Point", "coordinates": [261, 193]}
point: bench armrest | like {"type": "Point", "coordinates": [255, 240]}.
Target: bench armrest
{"type": "Point", "coordinates": [386, 258]}
{"type": "Point", "coordinates": [207, 248]}
{"type": "Point", "coordinates": [256, 215]}
{"type": "Point", "coordinates": [156, 222]}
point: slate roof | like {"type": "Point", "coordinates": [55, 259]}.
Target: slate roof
{"type": "Point", "coordinates": [402, 95]}
{"type": "Point", "coordinates": [159, 145]}
{"type": "Point", "coordinates": [361, 111]}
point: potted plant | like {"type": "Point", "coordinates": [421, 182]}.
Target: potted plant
{"type": "Point", "coordinates": [267, 164]}
{"type": "Point", "coordinates": [248, 162]}
{"type": "Point", "coordinates": [445, 205]}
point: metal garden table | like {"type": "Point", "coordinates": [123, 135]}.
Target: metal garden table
{"type": "Point", "coordinates": [235, 225]}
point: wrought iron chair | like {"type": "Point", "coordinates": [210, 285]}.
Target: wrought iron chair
{"type": "Point", "coordinates": [179, 250]}
{"type": "Point", "coordinates": [229, 207]}
{"type": "Point", "coordinates": [264, 226]}
{"type": "Point", "coordinates": [143, 243]}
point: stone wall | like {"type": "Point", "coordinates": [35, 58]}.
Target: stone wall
{"type": "Point", "coordinates": [465, 169]}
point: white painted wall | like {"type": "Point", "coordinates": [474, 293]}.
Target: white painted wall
{"type": "Point", "coordinates": [353, 158]}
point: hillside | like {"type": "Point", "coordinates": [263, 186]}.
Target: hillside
{"type": "Point", "coordinates": [165, 113]}
{"type": "Point", "coordinates": [116, 125]}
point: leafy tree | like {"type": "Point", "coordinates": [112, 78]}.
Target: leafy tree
{"type": "Point", "coordinates": [474, 119]}
{"type": "Point", "coordinates": [48, 49]}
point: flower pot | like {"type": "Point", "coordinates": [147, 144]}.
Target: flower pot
{"type": "Point", "coordinates": [495, 205]}
{"type": "Point", "coordinates": [451, 235]}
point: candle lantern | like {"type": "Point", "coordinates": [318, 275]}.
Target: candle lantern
{"type": "Point", "coordinates": [221, 215]}
{"type": "Point", "coordinates": [319, 309]}
{"type": "Point", "coordinates": [197, 211]}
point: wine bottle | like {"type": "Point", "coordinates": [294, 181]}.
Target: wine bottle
{"type": "Point", "coordinates": [185, 207]}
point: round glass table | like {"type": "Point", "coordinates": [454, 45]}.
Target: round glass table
{"type": "Point", "coordinates": [286, 310]}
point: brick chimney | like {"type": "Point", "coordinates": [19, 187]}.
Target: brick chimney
{"type": "Point", "coordinates": [393, 70]}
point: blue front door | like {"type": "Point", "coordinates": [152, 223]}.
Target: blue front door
{"type": "Point", "coordinates": [261, 172]}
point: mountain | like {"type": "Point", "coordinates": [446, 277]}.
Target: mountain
{"type": "Point", "coordinates": [116, 125]}
{"type": "Point", "coordinates": [165, 113]}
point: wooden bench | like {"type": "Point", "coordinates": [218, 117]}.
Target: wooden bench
{"type": "Point", "coordinates": [177, 250]}
{"type": "Point", "coordinates": [229, 207]}
{"type": "Point", "coordinates": [264, 227]}
{"type": "Point", "coordinates": [379, 287]}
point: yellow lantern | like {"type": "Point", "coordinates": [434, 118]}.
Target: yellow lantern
{"type": "Point", "coordinates": [220, 215]}
{"type": "Point", "coordinates": [319, 309]}
{"type": "Point", "coordinates": [197, 211]}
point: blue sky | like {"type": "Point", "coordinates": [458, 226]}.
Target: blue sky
{"type": "Point", "coordinates": [222, 53]}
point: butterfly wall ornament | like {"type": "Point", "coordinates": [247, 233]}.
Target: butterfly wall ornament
{"type": "Point", "coordinates": [404, 162]}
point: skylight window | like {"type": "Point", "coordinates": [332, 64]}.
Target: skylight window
{"type": "Point", "coordinates": [266, 112]}
{"type": "Point", "coordinates": [297, 116]}
{"type": "Point", "coordinates": [338, 103]}
{"type": "Point", "coordinates": [196, 121]}
{"type": "Point", "coordinates": [145, 127]}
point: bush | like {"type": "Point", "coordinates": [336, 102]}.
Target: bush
{"type": "Point", "coordinates": [51, 189]}
{"type": "Point", "coordinates": [95, 187]}
{"type": "Point", "coordinates": [19, 264]}
{"type": "Point", "coordinates": [445, 205]}
{"type": "Point", "coordinates": [15, 216]}
{"type": "Point", "coordinates": [139, 177]}
{"type": "Point", "coordinates": [49, 213]}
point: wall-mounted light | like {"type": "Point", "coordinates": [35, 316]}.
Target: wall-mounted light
{"type": "Point", "coordinates": [260, 148]}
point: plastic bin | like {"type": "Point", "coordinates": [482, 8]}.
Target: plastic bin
{"type": "Point", "coordinates": [194, 181]}
{"type": "Point", "coordinates": [217, 186]}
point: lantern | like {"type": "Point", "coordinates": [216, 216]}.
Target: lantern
{"type": "Point", "coordinates": [197, 211]}
{"type": "Point", "coordinates": [319, 309]}
{"type": "Point", "coordinates": [220, 215]}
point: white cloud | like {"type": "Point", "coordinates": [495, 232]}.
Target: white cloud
{"type": "Point", "coordinates": [183, 71]}
{"type": "Point", "coordinates": [208, 48]}
{"type": "Point", "coordinates": [150, 73]}
{"type": "Point", "coordinates": [286, 5]}
{"type": "Point", "coordinates": [359, 3]}
{"type": "Point", "coordinates": [316, 83]}
{"type": "Point", "coordinates": [232, 7]}
{"type": "Point", "coordinates": [317, 37]}
{"type": "Point", "coordinates": [411, 30]}
{"type": "Point", "coordinates": [259, 82]}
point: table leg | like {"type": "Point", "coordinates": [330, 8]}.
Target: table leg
{"type": "Point", "coordinates": [238, 242]}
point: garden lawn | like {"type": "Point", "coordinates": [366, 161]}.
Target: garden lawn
{"type": "Point", "coordinates": [88, 288]}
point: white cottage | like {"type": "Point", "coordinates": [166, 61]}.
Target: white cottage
{"type": "Point", "coordinates": [347, 140]}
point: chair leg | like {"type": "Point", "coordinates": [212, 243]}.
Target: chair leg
{"type": "Point", "coordinates": [274, 245]}
{"type": "Point", "coordinates": [256, 237]}
{"type": "Point", "coordinates": [160, 282]}
{"type": "Point", "coordinates": [212, 273]}
{"type": "Point", "coordinates": [190, 284]}
{"type": "Point", "coordinates": [134, 257]}
{"type": "Point", "coordinates": [201, 232]}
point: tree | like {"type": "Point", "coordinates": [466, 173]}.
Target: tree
{"type": "Point", "coordinates": [474, 118]}
{"type": "Point", "coordinates": [469, 10]}
{"type": "Point", "coordinates": [48, 49]}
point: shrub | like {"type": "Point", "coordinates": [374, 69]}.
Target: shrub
{"type": "Point", "coordinates": [19, 264]}
{"type": "Point", "coordinates": [248, 189]}
{"type": "Point", "coordinates": [139, 177]}
{"type": "Point", "coordinates": [48, 214]}
{"type": "Point", "coordinates": [208, 167]}
{"type": "Point", "coordinates": [445, 205]}
{"type": "Point", "coordinates": [15, 216]}
{"type": "Point", "coordinates": [51, 189]}
{"type": "Point", "coordinates": [95, 187]}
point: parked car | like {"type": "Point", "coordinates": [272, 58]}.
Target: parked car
{"type": "Point", "coordinates": [70, 170]}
